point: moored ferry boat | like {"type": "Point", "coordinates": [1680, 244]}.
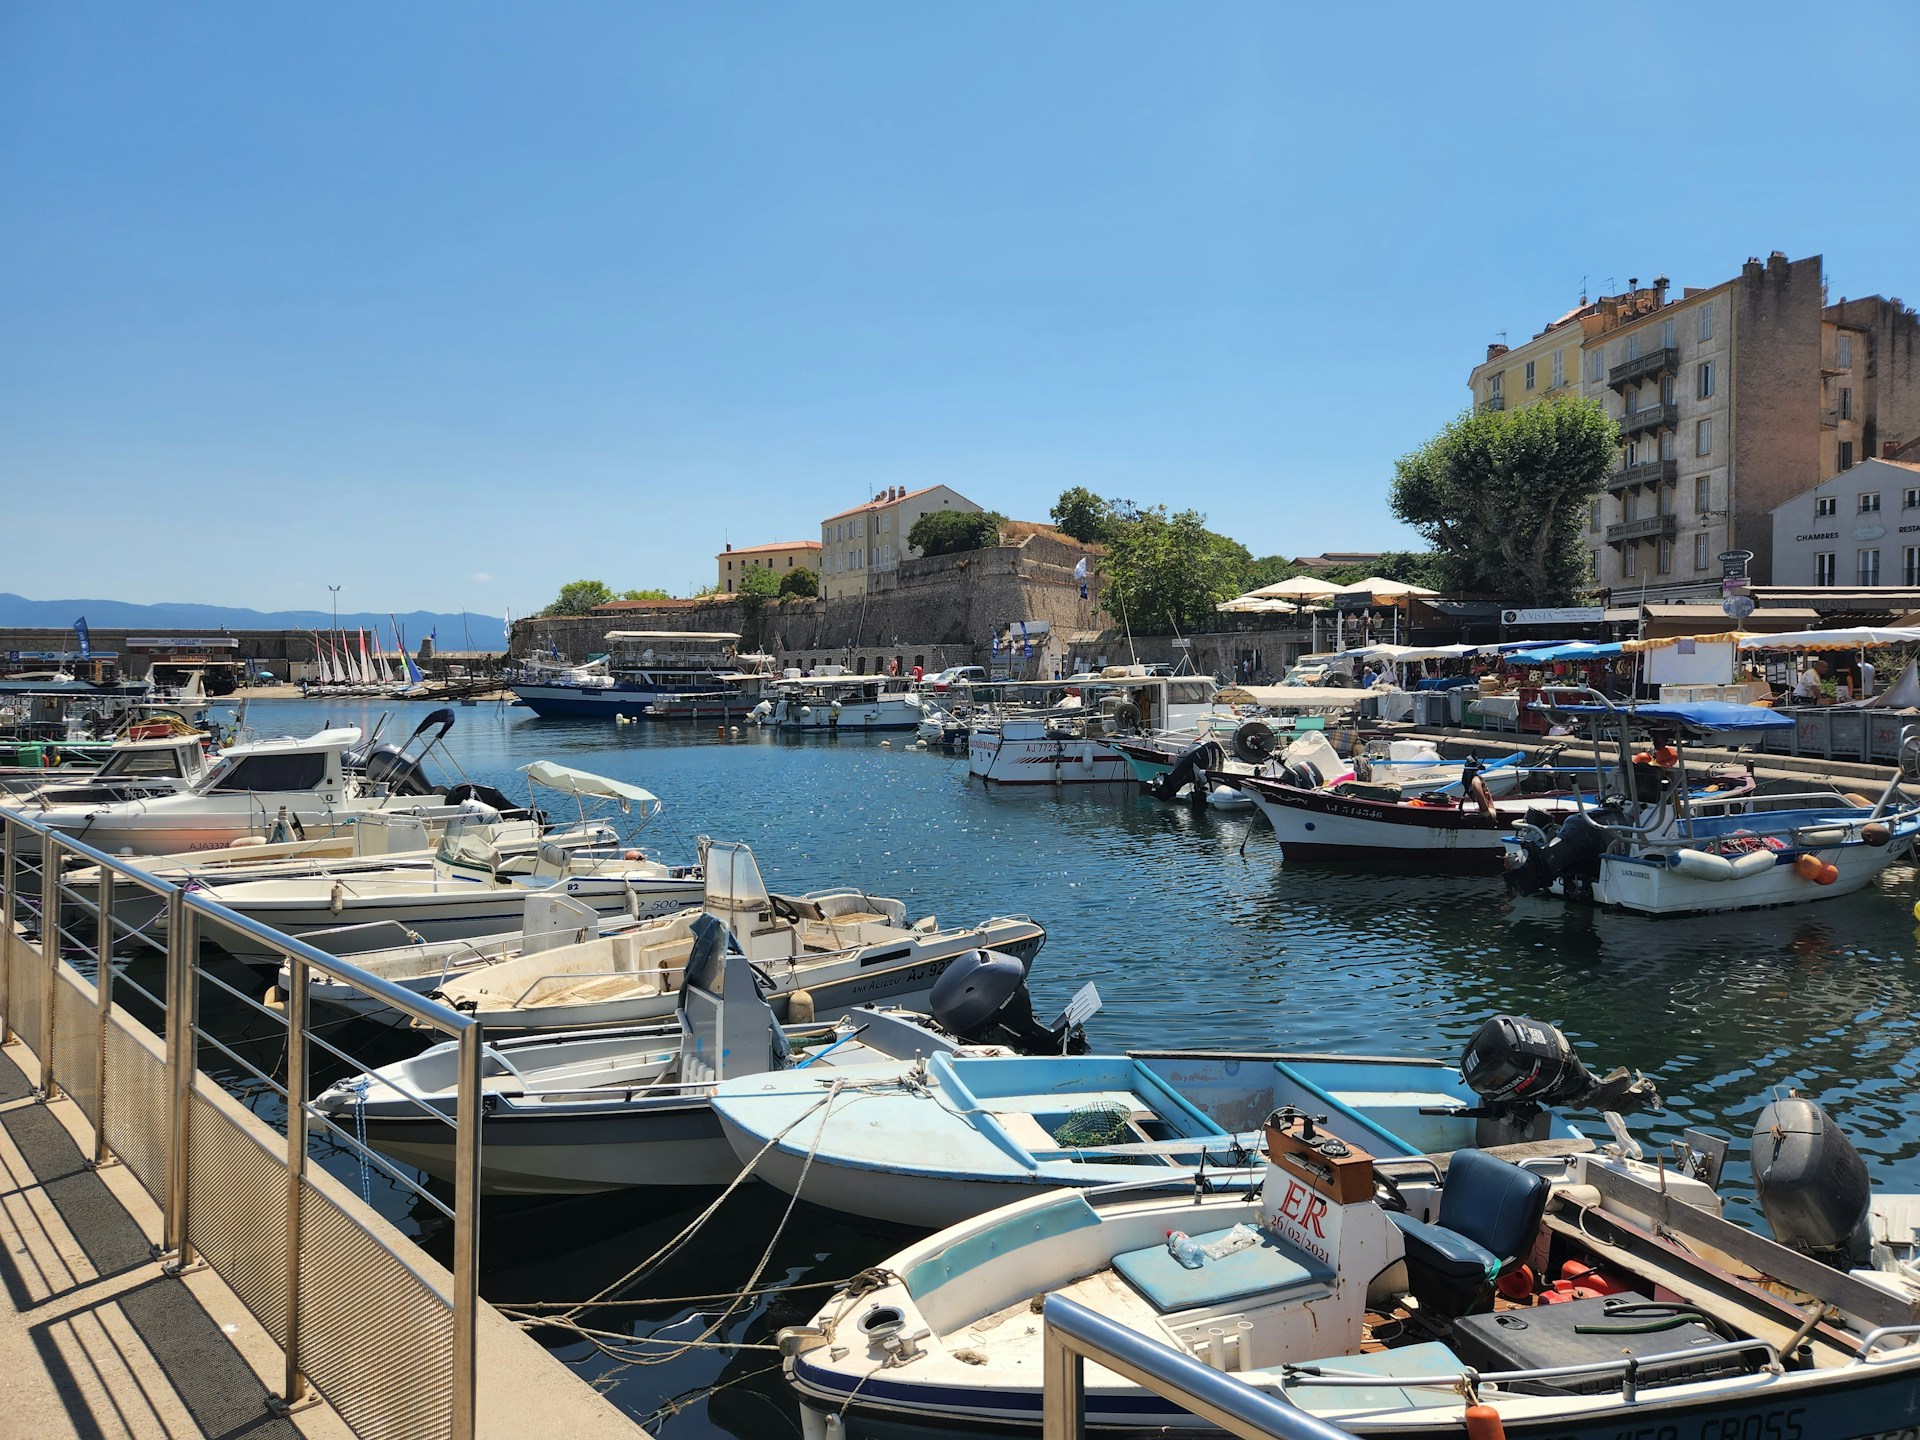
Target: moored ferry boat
{"type": "Point", "coordinates": [642, 668]}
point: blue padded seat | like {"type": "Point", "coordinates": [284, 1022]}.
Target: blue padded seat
{"type": "Point", "coordinates": [1269, 1270]}
{"type": "Point", "coordinates": [1489, 1214]}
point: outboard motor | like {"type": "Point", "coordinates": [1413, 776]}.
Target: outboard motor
{"type": "Point", "coordinates": [1519, 1067]}
{"type": "Point", "coordinates": [387, 764]}
{"type": "Point", "coordinates": [490, 797]}
{"type": "Point", "coordinates": [982, 999]}
{"type": "Point", "coordinates": [1570, 855]}
{"type": "Point", "coordinates": [1811, 1183]}
{"type": "Point", "coordinates": [1207, 755]}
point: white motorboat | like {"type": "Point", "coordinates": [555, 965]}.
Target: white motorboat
{"type": "Point", "coordinates": [1654, 844]}
{"type": "Point", "coordinates": [131, 770]}
{"type": "Point", "coordinates": [836, 704]}
{"type": "Point", "coordinates": [821, 952]}
{"type": "Point", "coordinates": [1592, 1296]}
{"type": "Point", "coordinates": [677, 670]}
{"type": "Point", "coordinates": [599, 1110]}
{"type": "Point", "coordinates": [1064, 734]}
{"type": "Point", "coordinates": [299, 784]}
{"type": "Point", "coordinates": [475, 886]}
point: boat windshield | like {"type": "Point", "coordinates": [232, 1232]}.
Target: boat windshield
{"type": "Point", "coordinates": [733, 879]}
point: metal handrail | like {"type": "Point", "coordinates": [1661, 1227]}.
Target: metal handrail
{"type": "Point", "coordinates": [186, 913]}
{"type": "Point", "coordinates": [1074, 1335]}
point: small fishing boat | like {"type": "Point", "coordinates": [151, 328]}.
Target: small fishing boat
{"type": "Point", "coordinates": [476, 885]}
{"type": "Point", "coordinates": [1061, 733]}
{"type": "Point", "coordinates": [822, 952]}
{"type": "Point", "coordinates": [583, 1111]}
{"type": "Point", "coordinates": [1590, 1296]}
{"type": "Point", "coordinates": [943, 1139]}
{"type": "Point", "coordinates": [641, 669]}
{"type": "Point", "coordinates": [1655, 844]}
{"type": "Point", "coordinates": [840, 703]}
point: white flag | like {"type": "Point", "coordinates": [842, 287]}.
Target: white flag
{"type": "Point", "coordinates": [1080, 570]}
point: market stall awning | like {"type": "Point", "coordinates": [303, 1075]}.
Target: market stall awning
{"type": "Point", "coordinates": [1572, 650]}
{"type": "Point", "coordinates": [1290, 697]}
{"type": "Point", "coordinates": [1856, 637]}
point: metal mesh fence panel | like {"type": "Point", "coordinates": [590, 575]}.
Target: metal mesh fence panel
{"type": "Point", "coordinates": [237, 1209]}
{"type": "Point", "coordinates": [76, 1052]}
{"type": "Point", "coordinates": [354, 1287]}
{"type": "Point", "coordinates": [136, 1105]}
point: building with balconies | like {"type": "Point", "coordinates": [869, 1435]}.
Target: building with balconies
{"type": "Point", "coordinates": [1730, 399]}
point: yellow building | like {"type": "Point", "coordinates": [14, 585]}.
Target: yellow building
{"type": "Point", "coordinates": [779, 557]}
{"type": "Point", "coordinates": [864, 545]}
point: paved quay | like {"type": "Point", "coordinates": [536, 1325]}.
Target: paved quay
{"type": "Point", "coordinates": [97, 1342]}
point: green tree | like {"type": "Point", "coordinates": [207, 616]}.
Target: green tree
{"type": "Point", "coordinates": [1168, 571]}
{"type": "Point", "coordinates": [645, 595]}
{"type": "Point", "coordinates": [759, 583]}
{"type": "Point", "coordinates": [949, 532]}
{"type": "Point", "coordinates": [1083, 515]}
{"type": "Point", "coordinates": [1502, 495]}
{"type": "Point", "coordinates": [578, 597]}
{"type": "Point", "coordinates": [800, 581]}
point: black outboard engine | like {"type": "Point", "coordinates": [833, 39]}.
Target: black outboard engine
{"type": "Point", "coordinates": [1570, 855]}
{"type": "Point", "coordinates": [1519, 1067]}
{"type": "Point", "coordinates": [1185, 770]}
{"type": "Point", "coordinates": [487, 795]}
{"type": "Point", "coordinates": [1811, 1183]}
{"type": "Point", "coordinates": [387, 764]}
{"type": "Point", "coordinates": [981, 998]}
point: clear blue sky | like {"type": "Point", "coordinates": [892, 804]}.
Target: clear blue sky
{"type": "Point", "coordinates": [451, 303]}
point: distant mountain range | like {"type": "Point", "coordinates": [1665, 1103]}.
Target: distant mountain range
{"type": "Point", "coordinates": [456, 632]}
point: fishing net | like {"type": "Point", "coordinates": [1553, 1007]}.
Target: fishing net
{"type": "Point", "coordinates": [1095, 1124]}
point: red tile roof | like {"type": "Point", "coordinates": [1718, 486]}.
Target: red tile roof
{"type": "Point", "coordinates": [880, 504]}
{"type": "Point", "coordinates": [777, 545]}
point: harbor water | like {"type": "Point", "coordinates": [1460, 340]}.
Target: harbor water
{"type": "Point", "coordinates": [1197, 935]}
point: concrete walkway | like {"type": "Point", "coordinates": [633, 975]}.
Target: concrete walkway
{"type": "Point", "coordinates": [96, 1341]}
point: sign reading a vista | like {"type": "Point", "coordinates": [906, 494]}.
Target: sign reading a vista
{"type": "Point", "coordinates": [1571, 615]}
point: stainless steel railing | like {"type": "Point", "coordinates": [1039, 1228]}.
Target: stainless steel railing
{"type": "Point", "coordinates": [1074, 1335]}
{"type": "Point", "coordinates": [361, 1314]}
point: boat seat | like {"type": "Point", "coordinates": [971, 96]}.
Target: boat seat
{"type": "Point", "coordinates": [1271, 1270]}
{"type": "Point", "coordinates": [1489, 1215]}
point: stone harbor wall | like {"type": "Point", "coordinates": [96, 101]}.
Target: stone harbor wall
{"type": "Point", "coordinates": [932, 612]}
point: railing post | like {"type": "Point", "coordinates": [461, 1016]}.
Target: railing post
{"type": "Point", "coordinates": [1063, 1388]}
{"type": "Point", "coordinates": [296, 1165]}
{"type": "Point", "coordinates": [183, 943]}
{"type": "Point", "coordinates": [50, 959]}
{"type": "Point", "coordinates": [103, 990]}
{"type": "Point", "coordinates": [10, 897]}
{"type": "Point", "coordinates": [466, 1230]}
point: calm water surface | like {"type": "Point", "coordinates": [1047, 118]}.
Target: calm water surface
{"type": "Point", "coordinates": [1196, 935]}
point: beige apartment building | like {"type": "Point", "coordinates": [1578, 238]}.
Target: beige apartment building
{"type": "Point", "coordinates": [862, 547]}
{"type": "Point", "coordinates": [782, 556]}
{"type": "Point", "coordinates": [1730, 399]}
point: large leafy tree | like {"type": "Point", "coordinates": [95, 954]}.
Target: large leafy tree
{"type": "Point", "coordinates": [1502, 494]}
{"type": "Point", "coordinates": [948, 532]}
{"type": "Point", "coordinates": [800, 581]}
{"type": "Point", "coordinates": [1168, 571]}
{"type": "Point", "coordinates": [1083, 515]}
{"type": "Point", "coordinates": [651, 594]}
{"type": "Point", "coordinates": [577, 597]}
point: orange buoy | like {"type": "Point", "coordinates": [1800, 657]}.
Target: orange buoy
{"type": "Point", "coordinates": [1808, 867]}
{"type": "Point", "coordinates": [1516, 1284]}
{"type": "Point", "coordinates": [1483, 1423]}
{"type": "Point", "coordinates": [1828, 874]}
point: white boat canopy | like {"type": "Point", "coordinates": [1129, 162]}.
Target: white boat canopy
{"type": "Point", "coordinates": [585, 786]}
{"type": "Point", "coordinates": [1856, 638]}
{"type": "Point", "coordinates": [1291, 697]}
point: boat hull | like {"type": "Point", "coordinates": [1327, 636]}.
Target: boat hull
{"type": "Point", "coordinates": [1314, 825]}
{"type": "Point", "coordinates": [456, 912]}
{"type": "Point", "coordinates": [1652, 887]}
{"type": "Point", "coordinates": [1044, 760]}
{"type": "Point", "coordinates": [673, 1141]}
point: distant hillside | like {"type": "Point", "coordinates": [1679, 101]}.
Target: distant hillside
{"type": "Point", "coordinates": [487, 632]}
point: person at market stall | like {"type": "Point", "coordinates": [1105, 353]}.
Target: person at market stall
{"type": "Point", "coordinates": [1867, 676]}
{"type": "Point", "coordinates": [1807, 685]}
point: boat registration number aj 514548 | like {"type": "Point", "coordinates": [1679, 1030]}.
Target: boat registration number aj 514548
{"type": "Point", "coordinates": [1782, 1424]}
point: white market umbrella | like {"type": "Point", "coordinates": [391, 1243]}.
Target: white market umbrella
{"type": "Point", "coordinates": [1255, 604]}
{"type": "Point", "coordinates": [1856, 638]}
{"type": "Point", "coordinates": [1378, 586]}
{"type": "Point", "coordinates": [1300, 585]}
